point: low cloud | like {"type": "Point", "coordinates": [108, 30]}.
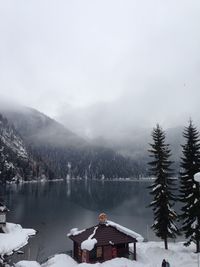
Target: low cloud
{"type": "Point", "coordinates": [103, 67]}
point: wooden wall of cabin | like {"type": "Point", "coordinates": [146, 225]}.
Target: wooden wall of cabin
{"type": "Point", "coordinates": [122, 250]}
{"type": "Point", "coordinates": [107, 252]}
{"type": "Point", "coordinates": [77, 255]}
{"type": "Point", "coordinates": [96, 254]}
{"type": "Point", "coordinates": [85, 256]}
{"type": "Point", "coordinates": [75, 251]}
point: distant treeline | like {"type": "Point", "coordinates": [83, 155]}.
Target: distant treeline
{"type": "Point", "coordinates": [88, 163]}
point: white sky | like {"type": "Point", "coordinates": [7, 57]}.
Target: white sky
{"type": "Point", "coordinates": [94, 63]}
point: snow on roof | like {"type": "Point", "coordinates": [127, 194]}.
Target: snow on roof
{"type": "Point", "coordinates": [89, 243]}
{"type": "Point", "coordinates": [125, 230]}
{"type": "Point", "coordinates": [13, 238]}
{"type": "Point", "coordinates": [87, 234]}
{"type": "Point", "coordinates": [75, 231]}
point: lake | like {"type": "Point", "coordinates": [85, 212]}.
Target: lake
{"type": "Point", "coordinates": [53, 208]}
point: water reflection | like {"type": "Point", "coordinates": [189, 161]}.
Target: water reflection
{"type": "Point", "coordinates": [54, 208]}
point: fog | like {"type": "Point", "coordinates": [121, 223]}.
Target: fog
{"type": "Point", "coordinates": [103, 68]}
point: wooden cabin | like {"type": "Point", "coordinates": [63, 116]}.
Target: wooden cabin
{"type": "Point", "coordinates": [102, 242]}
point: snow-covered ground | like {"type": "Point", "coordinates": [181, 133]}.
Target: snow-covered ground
{"type": "Point", "coordinates": [14, 238]}
{"type": "Point", "coordinates": [149, 254]}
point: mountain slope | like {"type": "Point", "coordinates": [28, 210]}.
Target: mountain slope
{"type": "Point", "coordinates": [63, 153]}
{"type": "Point", "coordinates": [16, 162]}
{"type": "Point", "coordinates": [38, 128]}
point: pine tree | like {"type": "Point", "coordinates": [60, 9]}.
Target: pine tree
{"type": "Point", "coordinates": [189, 189]}
{"type": "Point", "coordinates": [162, 187]}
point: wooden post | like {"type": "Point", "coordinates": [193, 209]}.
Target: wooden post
{"type": "Point", "coordinates": [85, 256]}
{"type": "Point", "coordinates": [134, 253]}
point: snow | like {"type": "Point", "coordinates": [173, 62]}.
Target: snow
{"type": "Point", "coordinates": [2, 208]}
{"type": "Point", "coordinates": [126, 231]}
{"type": "Point", "coordinates": [27, 263]}
{"type": "Point", "coordinates": [197, 177]}
{"type": "Point", "coordinates": [13, 238]}
{"type": "Point", "coordinates": [149, 254]}
{"type": "Point", "coordinates": [60, 260]}
{"type": "Point", "coordinates": [14, 142]}
{"type": "Point", "coordinates": [178, 255]}
{"type": "Point", "coordinates": [89, 243]}
{"type": "Point", "coordinates": [75, 231]}
{"type": "Point", "coordinates": [189, 196]}
{"type": "Point", "coordinates": [194, 224]}
{"type": "Point", "coordinates": [156, 187]}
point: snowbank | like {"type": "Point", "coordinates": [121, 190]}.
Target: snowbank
{"type": "Point", "coordinates": [177, 255]}
{"type": "Point", "coordinates": [60, 260]}
{"type": "Point", "coordinates": [149, 254]}
{"type": "Point", "coordinates": [14, 238]}
{"type": "Point", "coordinates": [63, 260]}
{"type": "Point", "coordinates": [27, 263]}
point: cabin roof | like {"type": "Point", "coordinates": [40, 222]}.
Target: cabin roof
{"type": "Point", "coordinates": [105, 234]}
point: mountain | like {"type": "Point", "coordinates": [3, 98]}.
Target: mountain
{"type": "Point", "coordinates": [125, 125]}
{"type": "Point", "coordinates": [135, 144]}
{"type": "Point", "coordinates": [58, 152]}
{"type": "Point", "coordinates": [16, 163]}
{"type": "Point", "coordinates": [37, 128]}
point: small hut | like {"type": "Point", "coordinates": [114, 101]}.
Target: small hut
{"type": "Point", "coordinates": [102, 242]}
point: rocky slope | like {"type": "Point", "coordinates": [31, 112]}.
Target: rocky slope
{"type": "Point", "coordinates": [16, 162]}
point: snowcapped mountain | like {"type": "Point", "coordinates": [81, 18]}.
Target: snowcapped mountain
{"type": "Point", "coordinates": [52, 151]}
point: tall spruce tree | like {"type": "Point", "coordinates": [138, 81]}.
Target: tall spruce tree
{"type": "Point", "coordinates": [189, 189]}
{"type": "Point", "coordinates": [163, 199]}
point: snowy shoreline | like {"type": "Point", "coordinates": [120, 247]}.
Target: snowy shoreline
{"type": "Point", "coordinates": [142, 179]}
{"type": "Point", "coordinates": [14, 238]}
{"type": "Point", "coordinates": [149, 254]}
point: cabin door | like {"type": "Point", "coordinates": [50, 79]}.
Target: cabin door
{"type": "Point", "coordinates": [114, 252]}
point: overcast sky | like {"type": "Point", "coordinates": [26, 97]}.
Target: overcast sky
{"type": "Point", "coordinates": [95, 65]}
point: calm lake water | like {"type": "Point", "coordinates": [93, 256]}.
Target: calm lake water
{"type": "Point", "coordinates": [54, 208]}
